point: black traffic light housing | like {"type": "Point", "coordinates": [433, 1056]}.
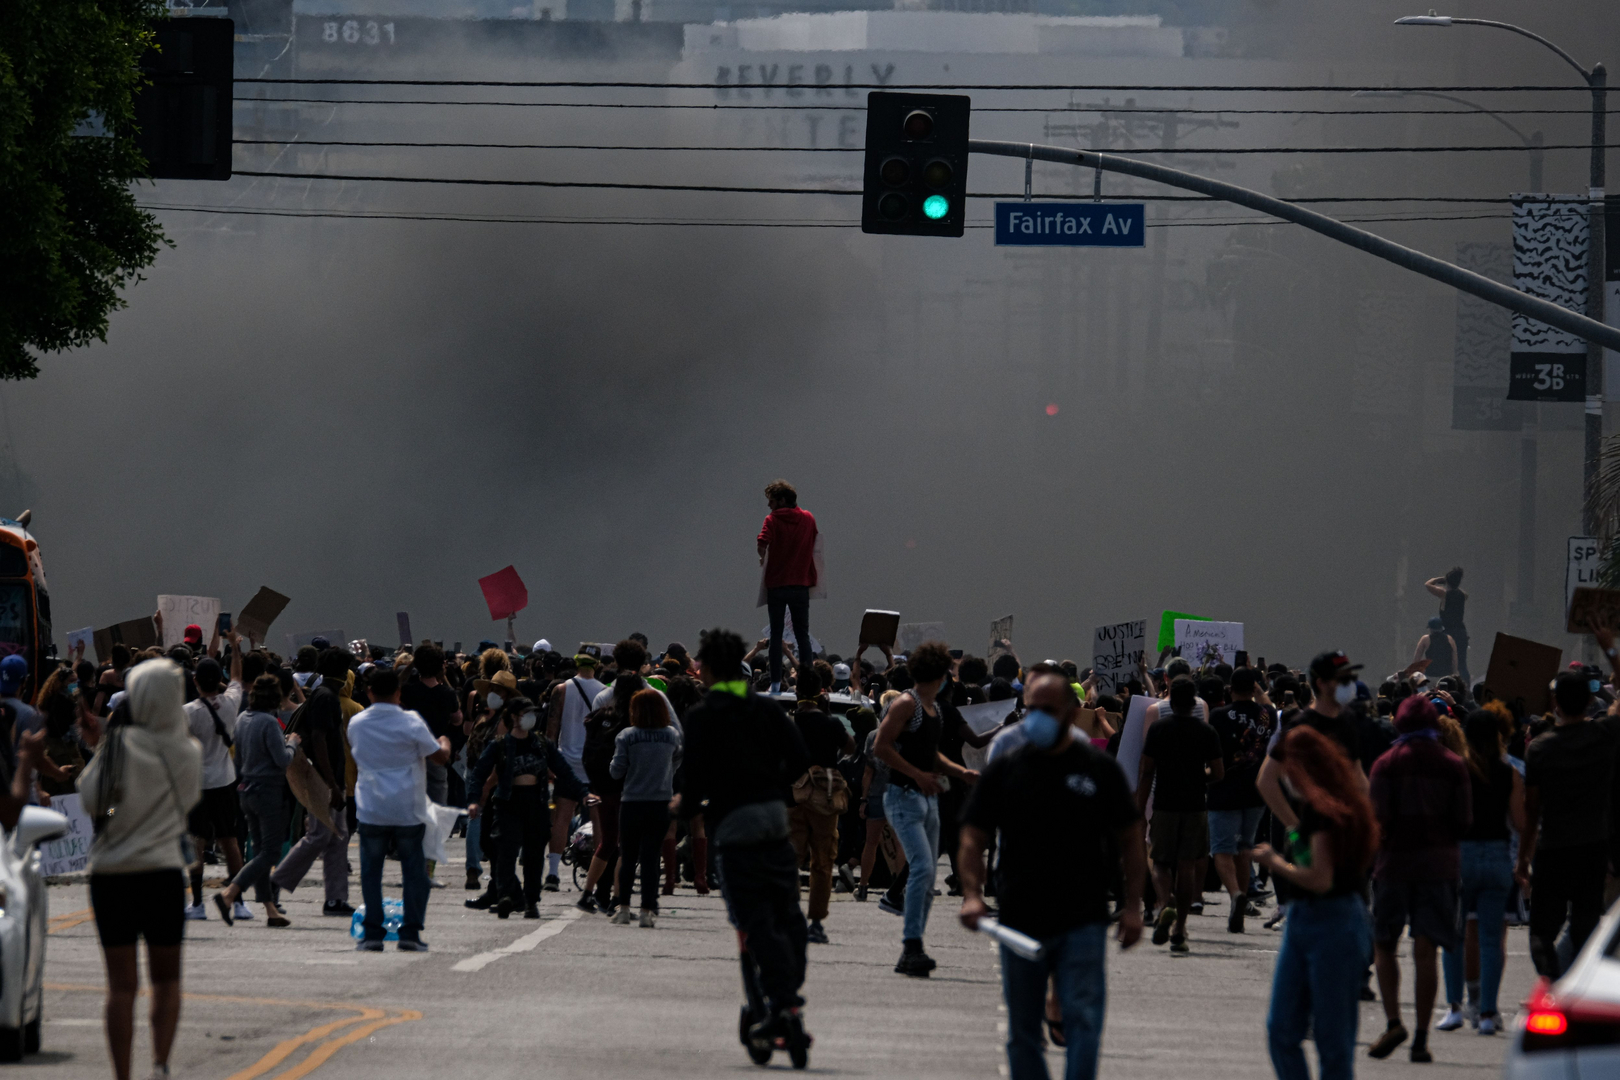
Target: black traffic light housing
{"type": "Point", "coordinates": [916, 164]}
{"type": "Point", "coordinates": [184, 115]}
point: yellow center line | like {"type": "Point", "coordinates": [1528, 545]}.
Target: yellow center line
{"type": "Point", "coordinates": [372, 1019]}
{"type": "Point", "coordinates": [70, 920]}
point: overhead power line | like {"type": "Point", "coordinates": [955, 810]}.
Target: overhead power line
{"type": "Point", "coordinates": [856, 149]}
{"type": "Point", "coordinates": [859, 106]}
{"type": "Point", "coordinates": [692, 223]}
{"type": "Point", "coordinates": [572, 84]}
{"type": "Point", "coordinates": [851, 191]}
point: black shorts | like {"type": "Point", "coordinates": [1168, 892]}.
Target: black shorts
{"type": "Point", "coordinates": [150, 904]}
{"type": "Point", "coordinates": [1428, 908]}
{"type": "Point", "coordinates": [214, 817]}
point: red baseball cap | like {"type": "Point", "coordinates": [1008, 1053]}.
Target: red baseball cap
{"type": "Point", "coordinates": [193, 632]}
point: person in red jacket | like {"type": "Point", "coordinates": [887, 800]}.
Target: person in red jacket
{"type": "Point", "coordinates": [787, 551]}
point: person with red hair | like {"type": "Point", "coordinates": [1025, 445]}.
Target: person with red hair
{"type": "Point", "coordinates": [1327, 940]}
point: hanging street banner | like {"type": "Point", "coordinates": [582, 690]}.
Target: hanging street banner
{"type": "Point", "coordinates": [1550, 238]}
{"type": "Point", "coordinates": [1070, 224]}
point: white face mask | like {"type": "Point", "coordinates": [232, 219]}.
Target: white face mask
{"type": "Point", "coordinates": [526, 722]}
{"type": "Point", "coordinates": [493, 700]}
{"type": "Point", "coordinates": [1344, 693]}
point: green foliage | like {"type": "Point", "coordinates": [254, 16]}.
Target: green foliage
{"type": "Point", "coordinates": [70, 236]}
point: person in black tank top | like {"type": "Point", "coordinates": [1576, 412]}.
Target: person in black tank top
{"type": "Point", "coordinates": [1474, 973]}
{"type": "Point", "coordinates": [1438, 649]}
{"type": "Point", "coordinates": [1452, 601]}
{"type": "Point", "coordinates": [908, 742]}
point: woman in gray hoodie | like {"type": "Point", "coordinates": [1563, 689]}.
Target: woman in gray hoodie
{"type": "Point", "coordinates": [144, 779]}
{"type": "Point", "coordinates": [644, 757]}
{"type": "Point", "coordinates": [263, 752]}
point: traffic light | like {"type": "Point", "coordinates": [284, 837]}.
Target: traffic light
{"type": "Point", "coordinates": [916, 164]}
{"type": "Point", "coordinates": [184, 115]}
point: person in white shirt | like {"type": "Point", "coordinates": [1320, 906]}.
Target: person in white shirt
{"type": "Point", "coordinates": [391, 749]}
{"type": "Point", "coordinates": [211, 719]}
{"type": "Point", "coordinates": [571, 702]}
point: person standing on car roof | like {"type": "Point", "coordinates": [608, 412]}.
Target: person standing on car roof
{"type": "Point", "coordinates": [787, 551]}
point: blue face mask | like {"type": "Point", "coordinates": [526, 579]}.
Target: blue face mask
{"type": "Point", "coordinates": [1042, 729]}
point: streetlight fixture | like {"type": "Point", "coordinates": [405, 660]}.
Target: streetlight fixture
{"type": "Point", "coordinates": [1596, 79]}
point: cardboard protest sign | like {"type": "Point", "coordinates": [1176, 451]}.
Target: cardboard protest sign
{"type": "Point", "coordinates": [1000, 639]}
{"type": "Point", "coordinates": [253, 621]}
{"type": "Point", "coordinates": [309, 788]}
{"type": "Point", "coordinates": [912, 634]}
{"type": "Point", "coordinates": [1523, 669]}
{"type": "Point", "coordinates": [1134, 735]}
{"type": "Point", "coordinates": [404, 620]}
{"type": "Point", "coordinates": [86, 637]}
{"type": "Point", "coordinates": [505, 593]}
{"type": "Point", "coordinates": [1116, 652]}
{"type": "Point", "coordinates": [1594, 609]}
{"type": "Point", "coordinates": [879, 628]}
{"type": "Point", "coordinates": [1202, 640]}
{"type": "Point", "coordinates": [136, 633]}
{"type": "Point", "coordinates": [1167, 628]}
{"type": "Point", "coordinates": [982, 718]}
{"type": "Point", "coordinates": [181, 611]}
{"type": "Point", "coordinates": [70, 853]}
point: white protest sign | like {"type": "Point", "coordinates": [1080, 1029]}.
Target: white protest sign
{"type": "Point", "coordinates": [85, 637]}
{"type": "Point", "coordinates": [1131, 740]}
{"type": "Point", "coordinates": [67, 854]}
{"type": "Point", "coordinates": [1581, 569]}
{"type": "Point", "coordinates": [1201, 641]}
{"type": "Point", "coordinates": [181, 611]}
{"type": "Point", "coordinates": [1116, 652]}
{"type": "Point", "coordinates": [983, 718]}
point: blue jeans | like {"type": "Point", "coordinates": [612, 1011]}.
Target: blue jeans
{"type": "Point", "coordinates": [1487, 877]}
{"type": "Point", "coordinates": [789, 600]}
{"type": "Point", "coordinates": [1078, 959]}
{"type": "Point", "coordinates": [914, 817]}
{"type": "Point", "coordinates": [1317, 986]}
{"type": "Point", "coordinates": [407, 842]}
{"type": "Point", "coordinates": [474, 849]}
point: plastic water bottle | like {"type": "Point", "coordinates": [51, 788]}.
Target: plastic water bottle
{"type": "Point", "coordinates": [393, 917]}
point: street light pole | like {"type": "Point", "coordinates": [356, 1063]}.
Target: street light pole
{"type": "Point", "coordinates": [1597, 80]}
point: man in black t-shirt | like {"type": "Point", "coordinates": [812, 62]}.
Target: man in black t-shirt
{"type": "Point", "coordinates": [436, 704]}
{"type": "Point", "coordinates": [1333, 680]}
{"type": "Point", "coordinates": [1245, 728]}
{"type": "Point", "coordinates": [1183, 754]}
{"type": "Point", "coordinates": [1066, 821]}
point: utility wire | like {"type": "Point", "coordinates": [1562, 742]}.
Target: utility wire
{"type": "Point", "coordinates": [858, 106]}
{"type": "Point", "coordinates": [482, 219]}
{"type": "Point", "coordinates": [734, 189]}
{"type": "Point", "coordinates": [1145, 88]}
{"type": "Point", "coordinates": [857, 149]}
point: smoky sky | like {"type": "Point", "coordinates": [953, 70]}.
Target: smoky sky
{"type": "Point", "coordinates": [370, 415]}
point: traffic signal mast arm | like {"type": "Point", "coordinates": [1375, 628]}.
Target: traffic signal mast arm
{"type": "Point", "coordinates": [1466, 280]}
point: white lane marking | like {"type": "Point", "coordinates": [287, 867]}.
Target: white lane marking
{"type": "Point", "coordinates": [74, 1022]}
{"type": "Point", "coordinates": [526, 943]}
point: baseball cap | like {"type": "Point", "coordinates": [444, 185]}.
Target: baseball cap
{"type": "Point", "coordinates": [320, 643]}
{"type": "Point", "coordinates": [193, 633]}
{"type": "Point", "coordinates": [542, 646]}
{"type": "Point", "coordinates": [13, 670]}
{"type": "Point", "coordinates": [585, 660]}
{"type": "Point", "coordinates": [1333, 665]}
{"type": "Point", "coordinates": [1436, 623]}
{"type": "Point", "coordinates": [840, 674]}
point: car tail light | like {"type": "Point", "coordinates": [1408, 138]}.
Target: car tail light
{"type": "Point", "coordinates": [1551, 1023]}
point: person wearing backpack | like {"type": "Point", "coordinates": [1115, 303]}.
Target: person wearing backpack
{"type": "Point", "coordinates": [519, 761]}
{"type": "Point", "coordinates": [602, 727]}
{"type": "Point", "coordinates": [572, 700]}
{"type": "Point", "coordinates": [211, 719]}
{"type": "Point", "coordinates": [819, 796]}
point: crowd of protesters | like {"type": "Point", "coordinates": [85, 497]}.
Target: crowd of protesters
{"type": "Point", "coordinates": [1360, 809]}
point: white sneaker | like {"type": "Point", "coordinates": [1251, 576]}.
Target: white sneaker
{"type": "Point", "coordinates": [241, 911]}
{"type": "Point", "coordinates": [196, 912]}
{"type": "Point", "coordinates": [160, 1072]}
{"type": "Point", "coordinates": [435, 883]}
{"type": "Point", "coordinates": [624, 916]}
{"type": "Point", "coordinates": [1453, 1020]}
{"type": "Point", "coordinates": [1489, 1025]}
{"type": "Point", "coordinates": [1471, 1012]}
{"type": "Point", "coordinates": [648, 920]}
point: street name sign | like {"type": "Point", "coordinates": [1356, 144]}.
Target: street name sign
{"type": "Point", "coordinates": [1070, 224]}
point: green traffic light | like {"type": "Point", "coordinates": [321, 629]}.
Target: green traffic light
{"type": "Point", "coordinates": [936, 207]}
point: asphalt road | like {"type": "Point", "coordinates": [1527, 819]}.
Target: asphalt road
{"type": "Point", "coordinates": [574, 996]}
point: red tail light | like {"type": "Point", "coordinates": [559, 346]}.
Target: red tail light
{"type": "Point", "coordinates": [1554, 1024]}
{"type": "Point", "coordinates": [1546, 1022]}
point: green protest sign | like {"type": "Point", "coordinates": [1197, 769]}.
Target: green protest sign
{"type": "Point", "coordinates": [1167, 627]}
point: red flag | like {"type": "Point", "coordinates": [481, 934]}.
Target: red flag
{"type": "Point", "coordinates": [504, 593]}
